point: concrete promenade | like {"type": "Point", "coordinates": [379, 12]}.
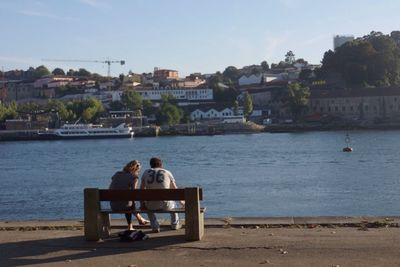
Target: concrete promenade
{"type": "Point", "coordinates": [289, 241]}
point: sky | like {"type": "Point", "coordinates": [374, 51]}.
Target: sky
{"type": "Point", "coordinates": [185, 35]}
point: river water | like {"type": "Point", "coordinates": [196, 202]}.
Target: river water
{"type": "Point", "coordinates": [285, 174]}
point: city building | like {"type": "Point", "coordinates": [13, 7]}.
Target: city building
{"type": "Point", "coordinates": [19, 90]}
{"type": "Point", "coordinates": [211, 113]}
{"type": "Point", "coordinates": [190, 82]}
{"type": "Point", "coordinates": [164, 74]}
{"type": "Point", "coordinates": [365, 104]}
{"type": "Point", "coordinates": [339, 40]}
{"type": "Point", "coordinates": [45, 81]}
{"type": "Point", "coordinates": [180, 94]}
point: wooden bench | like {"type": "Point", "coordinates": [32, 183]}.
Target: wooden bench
{"type": "Point", "coordinates": [97, 220]}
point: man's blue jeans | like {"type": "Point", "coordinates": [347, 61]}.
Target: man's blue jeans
{"type": "Point", "coordinates": [174, 216]}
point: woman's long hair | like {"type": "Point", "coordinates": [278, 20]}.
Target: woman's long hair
{"type": "Point", "coordinates": [132, 166]}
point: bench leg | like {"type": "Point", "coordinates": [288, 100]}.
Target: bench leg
{"type": "Point", "coordinates": [92, 216]}
{"type": "Point", "coordinates": [194, 219]}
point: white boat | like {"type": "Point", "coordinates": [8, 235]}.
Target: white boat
{"type": "Point", "coordinates": [86, 131]}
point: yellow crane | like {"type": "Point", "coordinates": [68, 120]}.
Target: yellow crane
{"type": "Point", "coordinates": [108, 62]}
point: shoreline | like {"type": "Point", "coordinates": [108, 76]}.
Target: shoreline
{"type": "Point", "coordinates": [220, 222]}
{"type": "Point", "coordinates": [31, 135]}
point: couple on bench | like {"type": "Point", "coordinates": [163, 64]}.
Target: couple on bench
{"type": "Point", "coordinates": [154, 178]}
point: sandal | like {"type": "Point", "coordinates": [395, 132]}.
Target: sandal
{"type": "Point", "coordinates": [144, 222]}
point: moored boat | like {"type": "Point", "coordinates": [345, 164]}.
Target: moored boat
{"type": "Point", "coordinates": [88, 131]}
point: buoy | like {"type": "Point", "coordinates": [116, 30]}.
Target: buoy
{"type": "Point", "coordinates": [347, 149]}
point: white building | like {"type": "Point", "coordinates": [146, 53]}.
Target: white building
{"type": "Point", "coordinates": [180, 94]}
{"type": "Point", "coordinates": [45, 81]}
{"type": "Point", "coordinates": [339, 40]}
{"type": "Point", "coordinates": [259, 78]}
{"type": "Point", "coordinates": [211, 113]}
{"type": "Point", "coordinates": [252, 79]}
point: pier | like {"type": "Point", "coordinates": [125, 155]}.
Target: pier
{"type": "Point", "coordinates": [289, 241]}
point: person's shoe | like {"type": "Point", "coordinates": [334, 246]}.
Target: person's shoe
{"type": "Point", "coordinates": [156, 230]}
{"type": "Point", "coordinates": [144, 222]}
{"type": "Point", "coordinates": [176, 226]}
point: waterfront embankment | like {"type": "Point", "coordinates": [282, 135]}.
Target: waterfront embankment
{"type": "Point", "coordinates": [148, 131]}
{"type": "Point", "coordinates": [230, 241]}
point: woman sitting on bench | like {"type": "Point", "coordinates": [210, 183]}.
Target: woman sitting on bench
{"type": "Point", "coordinates": [127, 179]}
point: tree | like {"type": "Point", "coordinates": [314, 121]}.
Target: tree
{"type": "Point", "coordinates": [264, 65]}
{"type": "Point", "coordinates": [71, 72]}
{"type": "Point", "coordinates": [373, 59]}
{"type": "Point", "coordinates": [169, 113]}
{"type": "Point", "coordinates": [395, 35]}
{"type": "Point", "coordinates": [60, 108]}
{"type": "Point", "coordinates": [41, 71]}
{"type": "Point", "coordinates": [121, 78]}
{"type": "Point", "coordinates": [301, 61]}
{"type": "Point", "coordinates": [8, 111]}
{"type": "Point", "coordinates": [58, 71]}
{"type": "Point", "coordinates": [86, 109]}
{"type": "Point", "coordinates": [247, 104]}
{"type": "Point", "coordinates": [116, 105]}
{"type": "Point", "coordinates": [289, 57]}
{"type": "Point", "coordinates": [214, 81]}
{"type": "Point", "coordinates": [255, 71]}
{"type": "Point", "coordinates": [236, 107]}
{"type": "Point", "coordinates": [298, 99]}
{"type": "Point", "coordinates": [147, 107]}
{"type": "Point", "coordinates": [305, 74]}
{"type": "Point", "coordinates": [231, 75]}
{"type": "Point", "coordinates": [132, 100]}
{"type": "Point", "coordinates": [83, 73]}
{"type": "Point", "coordinates": [224, 94]}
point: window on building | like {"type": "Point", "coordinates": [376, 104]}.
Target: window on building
{"type": "Point", "coordinates": [351, 108]}
{"type": "Point", "coordinates": [336, 108]}
{"type": "Point", "coordinates": [366, 108]}
{"type": "Point", "coordinates": [343, 108]}
{"type": "Point", "coordinates": [322, 109]}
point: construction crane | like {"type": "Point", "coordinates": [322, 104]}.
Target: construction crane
{"type": "Point", "coordinates": [108, 62]}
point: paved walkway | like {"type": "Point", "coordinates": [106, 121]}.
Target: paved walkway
{"type": "Point", "coordinates": [308, 241]}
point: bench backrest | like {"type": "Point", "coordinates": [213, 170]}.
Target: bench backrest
{"type": "Point", "coordinates": [144, 194]}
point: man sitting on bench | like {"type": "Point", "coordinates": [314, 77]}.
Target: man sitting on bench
{"type": "Point", "coordinates": [159, 178]}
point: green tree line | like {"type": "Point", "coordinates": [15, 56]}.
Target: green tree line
{"type": "Point", "coordinates": [88, 109]}
{"type": "Point", "coordinates": [372, 60]}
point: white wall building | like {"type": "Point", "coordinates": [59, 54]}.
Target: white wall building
{"type": "Point", "coordinates": [184, 94]}
{"type": "Point", "coordinates": [252, 79]}
{"type": "Point", "coordinates": [212, 113]}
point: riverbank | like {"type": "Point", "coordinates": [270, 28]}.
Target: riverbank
{"type": "Point", "coordinates": [289, 241]}
{"type": "Point", "coordinates": [211, 129]}
{"type": "Point", "coordinates": [285, 128]}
